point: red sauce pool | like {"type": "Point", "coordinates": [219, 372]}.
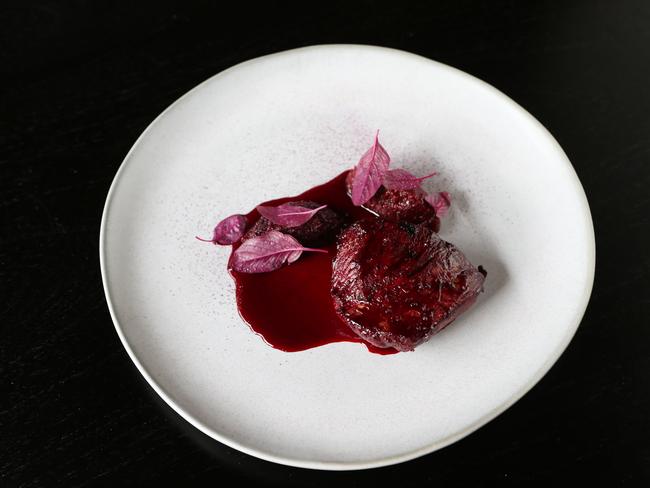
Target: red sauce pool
{"type": "Point", "coordinates": [291, 308]}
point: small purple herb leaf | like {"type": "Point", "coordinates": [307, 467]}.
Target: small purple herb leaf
{"type": "Point", "coordinates": [228, 231]}
{"type": "Point", "coordinates": [288, 215]}
{"type": "Point", "coordinates": [400, 179]}
{"type": "Point", "coordinates": [267, 252]}
{"type": "Point", "coordinates": [369, 173]}
{"type": "Point", "coordinates": [440, 202]}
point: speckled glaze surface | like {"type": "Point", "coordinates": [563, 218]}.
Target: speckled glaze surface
{"type": "Point", "coordinates": [278, 125]}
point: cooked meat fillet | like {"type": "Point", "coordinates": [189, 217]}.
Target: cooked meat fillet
{"type": "Point", "coordinates": [395, 285]}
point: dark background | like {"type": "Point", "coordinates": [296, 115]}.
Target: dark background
{"type": "Point", "coordinates": [80, 80]}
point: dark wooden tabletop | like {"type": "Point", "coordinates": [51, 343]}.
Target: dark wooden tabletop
{"type": "Point", "coordinates": [80, 81]}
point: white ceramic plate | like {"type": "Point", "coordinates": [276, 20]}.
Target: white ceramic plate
{"type": "Point", "coordinates": [278, 125]}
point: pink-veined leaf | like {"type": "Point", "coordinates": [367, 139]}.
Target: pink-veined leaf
{"type": "Point", "coordinates": [440, 202]}
{"type": "Point", "coordinates": [267, 252]}
{"type": "Point", "coordinates": [228, 231]}
{"type": "Point", "coordinates": [369, 173]}
{"type": "Point", "coordinates": [400, 179]}
{"type": "Point", "coordinates": [288, 215]}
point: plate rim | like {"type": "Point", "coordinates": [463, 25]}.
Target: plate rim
{"type": "Point", "coordinates": [390, 460]}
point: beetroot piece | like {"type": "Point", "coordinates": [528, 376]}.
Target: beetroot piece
{"type": "Point", "coordinates": [400, 205]}
{"type": "Point", "coordinates": [403, 206]}
{"type": "Point", "coordinates": [396, 285]}
{"type": "Point", "coordinates": [319, 230]}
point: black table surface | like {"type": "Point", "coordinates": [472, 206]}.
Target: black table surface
{"type": "Point", "coordinates": [81, 80]}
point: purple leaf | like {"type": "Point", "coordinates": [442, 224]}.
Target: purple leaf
{"type": "Point", "coordinates": [369, 173]}
{"type": "Point", "coordinates": [267, 252]}
{"type": "Point", "coordinates": [288, 215]}
{"type": "Point", "coordinates": [228, 231]}
{"type": "Point", "coordinates": [400, 179]}
{"type": "Point", "coordinates": [440, 202]}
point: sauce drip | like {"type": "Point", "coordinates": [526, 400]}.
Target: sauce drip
{"type": "Point", "coordinates": [291, 308]}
